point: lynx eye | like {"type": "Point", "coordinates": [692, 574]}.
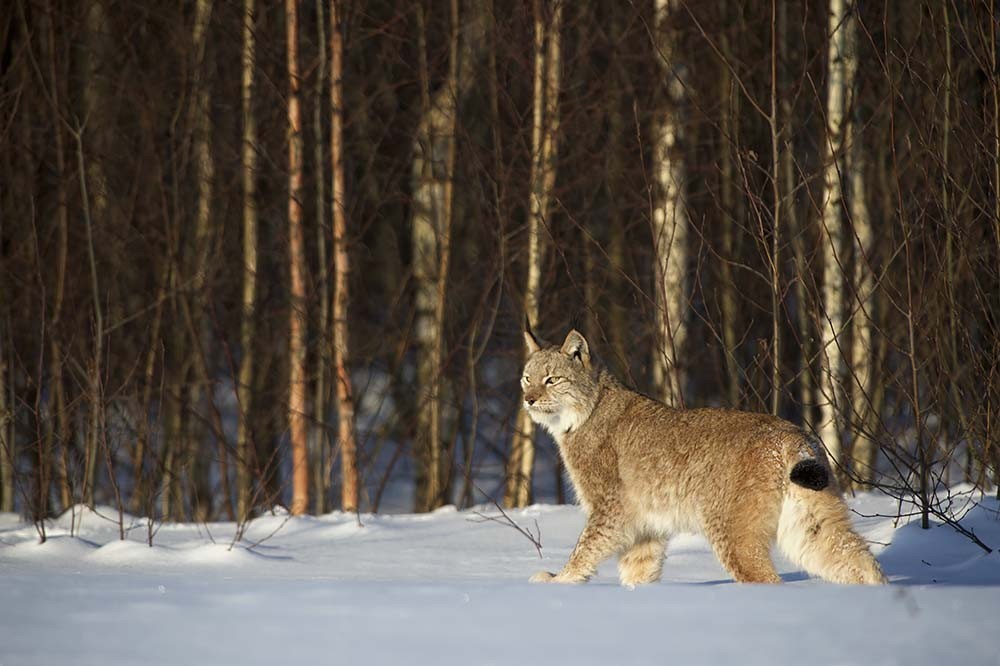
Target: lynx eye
{"type": "Point", "coordinates": [553, 380]}
{"type": "Point", "coordinates": [525, 380]}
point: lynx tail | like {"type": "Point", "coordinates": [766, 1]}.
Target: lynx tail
{"type": "Point", "coordinates": [810, 474]}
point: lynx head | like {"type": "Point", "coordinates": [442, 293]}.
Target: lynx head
{"type": "Point", "coordinates": [559, 383]}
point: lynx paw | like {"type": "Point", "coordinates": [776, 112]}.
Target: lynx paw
{"type": "Point", "coordinates": [561, 577]}
{"type": "Point", "coordinates": [542, 577]}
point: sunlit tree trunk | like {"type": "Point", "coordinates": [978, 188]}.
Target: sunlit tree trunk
{"type": "Point", "coordinates": [670, 215]}
{"type": "Point", "coordinates": [544, 134]}
{"type": "Point", "coordinates": [832, 316]}
{"type": "Point", "coordinates": [341, 287]}
{"type": "Point", "coordinates": [432, 176]}
{"type": "Point", "coordinates": [297, 403]}
{"type": "Point", "coordinates": [244, 443]}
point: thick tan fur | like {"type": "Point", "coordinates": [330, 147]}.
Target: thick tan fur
{"type": "Point", "coordinates": [643, 471]}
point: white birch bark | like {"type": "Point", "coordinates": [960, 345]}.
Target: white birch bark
{"type": "Point", "coordinates": [670, 218]}
{"type": "Point", "coordinates": [832, 316]}
{"type": "Point", "coordinates": [545, 127]}
{"type": "Point", "coordinates": [432, 176]}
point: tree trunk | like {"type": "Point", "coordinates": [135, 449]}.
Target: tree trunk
{"type": "Point", "coordinates": [203, 391]}
{"type": "Point", "coordinates": [777, 204]}
{"type": "Point", "coordinates": [297, 403]}
{"type": "Point", "coordinates": [141, 493]}
{"type": "Point", "coordinates": [796, 232]}
{"type": "Point", "coordinates": [670, 216]}
{"type": "Point", "coordinates": [544, 135]}
{"type": "Point", "coordinates": [244, 443]}
{"type": "Point", "coordinates": [6, 427]}
{"type": "Point", "coordinates": [432, 177]}
{"type": "Point", "coordinates": [341, 287]}
{"type": "Point", "coordinates": [863, 416]}
{"type": "Point", "coordinates": [57, 428]}
{"type": "Point", "coordinates": [832, 319]}
{"type": "Point", "coordinates": [94, 189]}
{"type": "Point", "coordinates": [318, 440]}
{"type": "Point", "coordinates": [732, 218]}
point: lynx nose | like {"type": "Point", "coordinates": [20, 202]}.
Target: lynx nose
{"type": "Point", "coordinates": [530, 401]}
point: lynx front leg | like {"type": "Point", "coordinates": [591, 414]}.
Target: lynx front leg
{"type": "Point", "coordinates": [642, 563]}
{"type": "Point", "coordinates": [601, 538]}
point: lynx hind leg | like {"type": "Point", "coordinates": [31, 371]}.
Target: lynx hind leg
{"type": "Point", "coordinates": [642, 562]}
{"type": "Point", "coordinates": [815, 532]}
{"type": "Point", "coordinates": [741, 532]}
{"type": "Point", "coordinates": [747, 558]}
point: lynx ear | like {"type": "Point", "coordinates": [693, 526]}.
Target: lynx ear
{"type": "Point", "coordinates": [575, 346]}
{"type": "Point", "coordinates": [531, 342]}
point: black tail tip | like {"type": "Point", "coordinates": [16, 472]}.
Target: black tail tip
{"type": "Point", "coordinates": [810, 474]}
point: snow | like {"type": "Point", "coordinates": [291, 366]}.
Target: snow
{"type": "Point", "coordinates": [450, 588]}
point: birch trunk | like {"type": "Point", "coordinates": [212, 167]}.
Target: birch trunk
{"type": "Point", "coordinates": [832, 322]}
{"type": "Point", "coordinates": [297, 403]}
{"type": "Point", "coordinates": [244, 443]}
{"type": "Point", "coordinates": [670, 218]}
{"type": "Point", "coordinates": [432, 176]}
{"type": "Point", "coordinates": [545, 127]}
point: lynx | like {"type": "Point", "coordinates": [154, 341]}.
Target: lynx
{"type": "Point", "coordinates": [643, 471]}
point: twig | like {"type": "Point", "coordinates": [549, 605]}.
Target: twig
{"type": "Point", "coordinates": [535, 539]}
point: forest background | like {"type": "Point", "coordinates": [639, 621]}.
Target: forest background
{"type": "Point", "coordinates": [257, 253]}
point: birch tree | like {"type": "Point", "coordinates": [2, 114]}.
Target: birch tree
{"type": "Point", "coordinates": [297, 407]}
{"type": "Point", "coordinates": [831, 221]}
{"type": "Point", "coordinates": [544, 133]}
{"type": "Point", "coordinates": [669, 215]}
{"type": "Point", "coordinates": [432, 177]}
